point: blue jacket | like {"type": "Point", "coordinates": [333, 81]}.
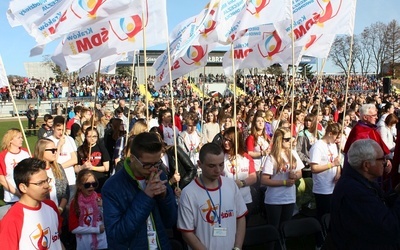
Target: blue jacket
{"type": "Point", "coordinates": [362, 216]}
{"type": "Point", "coordinates": [126, 209]}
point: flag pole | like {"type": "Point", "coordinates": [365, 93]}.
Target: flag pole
{"type": "Point", "coordinates": [234, 110]}
{"type": "Point", "coordinates": [293, 76]}
{"type": "Point", "coordinates": [19, 120]}
{"type": "Point", "coordinates": [95, 100]}
{"type": "Point", "coordinates": [172, 106]}
{"type": "Point", "coordinates": [5, 83]}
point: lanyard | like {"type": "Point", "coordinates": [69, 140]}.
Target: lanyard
{"type": "Point", "coordinates": [217, 215]}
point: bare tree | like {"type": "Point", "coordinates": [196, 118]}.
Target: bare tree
{"type": "Point", "coordinates": [376, 35]}
{"type": "Point", "coordinates": [393, 45]}
{"type": "Point", "coordinates": [362, 53]}
{"type": "Point", "coordinates": [340, 54]}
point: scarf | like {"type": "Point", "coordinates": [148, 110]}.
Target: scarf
{"type": "Point", "coordinates": [87, 204]}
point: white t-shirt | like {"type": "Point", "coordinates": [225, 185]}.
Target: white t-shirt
{"type": "Point", "coordinates": [322, 153]}
{"type": "Point", "coordinates": [244, 169]}
{"type": "Point", "coordinates": [195, 212]}
{"type": "Point", "coordinates": [280, 195]}
{"type": "Point", "coordinates": [192, 142]}
{"type": "Point", "coordinates": [67, 149]}
{"type": "Point", "coordinates": [8, 161]}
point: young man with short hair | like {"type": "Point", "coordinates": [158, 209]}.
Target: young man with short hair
{"type": "Point", "coordinates": [33, 222]}
{"type": "Point", "coordinates": [67, 151]}
{"type": "Point", "coordinates": [47, 128]}
{"type": "Point", "coordinates": [211, 212]}
{"type": "Point", "coordinates": [137, 215]}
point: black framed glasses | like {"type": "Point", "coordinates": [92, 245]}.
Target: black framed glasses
{"type": "Point", "coordinates": [286, 139]}
{"type": "Point", "coordinates": [90, 184]}
{"type": "Point", "coordinates": [52, 150]}
{"type": "Point", "coordinates": [41, 183]}
{"type": "Point", "coordinates": [146, 165]}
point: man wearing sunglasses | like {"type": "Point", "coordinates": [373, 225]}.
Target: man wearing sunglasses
{"type": "Point", "coordinates": [138, 202]}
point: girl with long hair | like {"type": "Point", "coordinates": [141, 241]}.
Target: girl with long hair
{"type": "Point", "coordinates": [325, 167]}
{"type": "Point", "coordinates": [240, 166]}
{"type": "Point", "coordinates": [280, 171]}
{"type": "Point", "coordinates": [85, 213]}
{"type": "Point", "coordinates": [12, 153]}
{"type": "Point", "coordinates": [46, 150]}
{"type": "Point", "coordinates": [211, 127]}
{"type": "Point", "coordinates": [98, 161]}
{"type": "Point", "coordinates": [307, 137]}
{"type": "Point", "coordinates": [258, 141]}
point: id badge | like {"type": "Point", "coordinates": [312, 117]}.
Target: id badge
{"type": "Point", "coordinates": [220, 232]}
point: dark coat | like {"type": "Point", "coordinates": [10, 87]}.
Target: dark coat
{"type": "Point", "coordinates": [126, 209]}
{"type": "Point", "coordinates": [362, 216]}
{"type": "Point", "coordinates": [186, 168]}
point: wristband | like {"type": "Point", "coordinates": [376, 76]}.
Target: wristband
{"type": "Point", "coordinates": [284, 182]}
{"type": "Point", "coordinates": [329, 165]}
{"type": "Point", "coordinates": [243, 183]}
{"type": "Point", "coordinates": [60, 209]}
{"type": "Point", "coordinates": [235, 248]}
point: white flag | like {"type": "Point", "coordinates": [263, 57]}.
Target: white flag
{"type": "Point", "coordinates": [109, 38]}
{"type": "Point", "coordinates": [3, 76]}
{"type": "Point", "coordinates": [107, 65]}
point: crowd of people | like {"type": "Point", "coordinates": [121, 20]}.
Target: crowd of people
{"type": "Point", "coordinates": [191, 172]}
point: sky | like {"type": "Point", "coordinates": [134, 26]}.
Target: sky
{"type": "Point", "coordinates": [15, 43]}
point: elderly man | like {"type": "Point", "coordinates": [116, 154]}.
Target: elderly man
{"type": "Point", "coordinates": [366, 129]}
{"type": "Point", "coordinates": [362, 216]}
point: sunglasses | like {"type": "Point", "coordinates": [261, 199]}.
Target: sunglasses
{"type": "Point", "coordinates": [52, 150]}
{"type": "Point", "coordinates": [287, 139]}
{"type": "Point", "coordinates": [90, 184]}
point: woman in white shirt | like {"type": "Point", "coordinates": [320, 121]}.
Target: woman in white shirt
{"type": "Point", "coordinates": [325, 167]}
{"type": "Point", "coordinates": [385, 131]}
{"type": "Point", "coordinates": [240, 166]}
{"type": "Point", "coordinates": [280, 171]}
{"type": "Point", "coordinates": [211, 128]}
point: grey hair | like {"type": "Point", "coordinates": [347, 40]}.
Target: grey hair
{"type": "Point", "coordinates": [365, 108]}
{"type": "Point", "coordinates": [363, 150]}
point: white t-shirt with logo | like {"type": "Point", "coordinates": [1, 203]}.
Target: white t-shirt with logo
{"type": "Point", "coordinates": [322, 153]}
{"type": "Point", "coordinates": [196, 213]}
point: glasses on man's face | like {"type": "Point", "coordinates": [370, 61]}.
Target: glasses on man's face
{"type": "Point", "coordinates": [87, 185]}
{"type": "Point", "coordinates": [41, 183]}
{"type": "Point", "coordinates": [147, 165]}
{"type": "Point", "coordinates": [286, 139]}
{"type": "Point", "coordinates": [52, 150]}
{"type": "Point", "coordinates": [374, 115]}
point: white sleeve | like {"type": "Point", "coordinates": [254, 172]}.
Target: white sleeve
{"type": "Point", "coordinates": [185, 213]}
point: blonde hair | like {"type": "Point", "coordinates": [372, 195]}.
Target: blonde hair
{"type": "Point", "coordinates": [39, 153]}
{"type": "Point", "coordinates": [8, 137]}
{"type": "Point", "coordinates": [140, 126]}
{"type": "Point", "coordinates": [277, 149]}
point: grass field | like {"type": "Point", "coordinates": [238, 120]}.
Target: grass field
{"type": "Point", "coordinates": [6, 124]}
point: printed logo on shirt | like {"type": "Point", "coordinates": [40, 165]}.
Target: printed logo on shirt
{"type": "Point", "coordinates": [87, 217]}
{"type": "Point", "coordinates": [41, 238]}
{"type": "Point", "coordinates": [208, 212]}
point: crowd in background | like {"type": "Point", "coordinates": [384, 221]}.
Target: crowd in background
{"type": "Point", "coordinates": [267, 137]}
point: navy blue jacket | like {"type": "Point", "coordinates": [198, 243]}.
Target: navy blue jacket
{"type": "Point", "coordinates": [362, 216]}
{"type": "Point", "coordinates": [126, 209]}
